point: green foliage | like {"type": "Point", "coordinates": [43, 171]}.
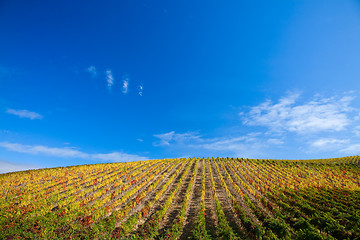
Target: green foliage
{"type": "Point", "coordinates": [199, 231]}
{"type": "Point", "coordinates": [307, 234]}
{"type": "Point", "coordinates": [279, 227]}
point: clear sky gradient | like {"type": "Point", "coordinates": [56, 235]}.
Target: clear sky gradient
{"type": "Point", "coordinates": [86, 82]}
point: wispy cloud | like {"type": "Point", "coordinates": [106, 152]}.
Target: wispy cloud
{"type": "Point", "coordinates": [356, 131]}
{"type": "Point", "coordinates": [125, 82]}
{"type": "Point", "coordinates": [276, 141]}
{"type": "Point", "coordinates": [8, 72]}
{"type": "Point", "coordinates": [5, 132]}
{"type": "Point", "coordinates": [329, 142]}
{"type": "Point", "coordinates": [172, 137]}
{"type": "Point", "coordinates": [25, 114]}
{"type": "Point", "coordinates": [250, 145]}
{"type": "Point", "coordinates": [117, 157]}
{"type": "Point", "coordinates": [226, 143]}
{"type": "Point", "coordinates": [39, 149]}
{"type": "Point", "coordinates": [92, 70]}
{"type": "Point", "coordinates": [351, 149]}
{"type": "Point", "coordinates": [109, 79]}
{"type": "Point", "coordinates": [70, 152]}
{"type": "Point", "coordinates": [6, 166]}
{"type": "Point", "coordinates": [319, 114]}
{"type": "Point", "coordinates": [140, 88]}
{"type": "Point", "coordinates": [4, 71]}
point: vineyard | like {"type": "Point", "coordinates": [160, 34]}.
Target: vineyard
{"type": "Point", "coordinates": [226, 198]}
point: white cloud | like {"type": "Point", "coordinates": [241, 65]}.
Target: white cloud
{"type": "Point", "coordinates": [125, 81]}
{"type": "Point", "coordinates": [25, 114]}
{"type": "Point", "coordinates": [6, 166]}
{"type": "Point", "coordinates": [92, 70]}
{"type": "Point", "coordinates": [172, 137]}
{"type": "Point", "coordinates": [319, 114]}
{"type": "Point", "coordinates": [70, 152]}
{"type": "Point", "coordinates": [109, 79]}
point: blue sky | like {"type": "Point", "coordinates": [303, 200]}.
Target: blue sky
{"type": "Point", "coordinates": [86, 82]}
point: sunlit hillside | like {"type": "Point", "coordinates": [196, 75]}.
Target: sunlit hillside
{"type": "Point", "coordinates": [185, 198]}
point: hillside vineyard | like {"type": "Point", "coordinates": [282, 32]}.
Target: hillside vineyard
{"type": "Point", "coordinates": [185, 199]}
